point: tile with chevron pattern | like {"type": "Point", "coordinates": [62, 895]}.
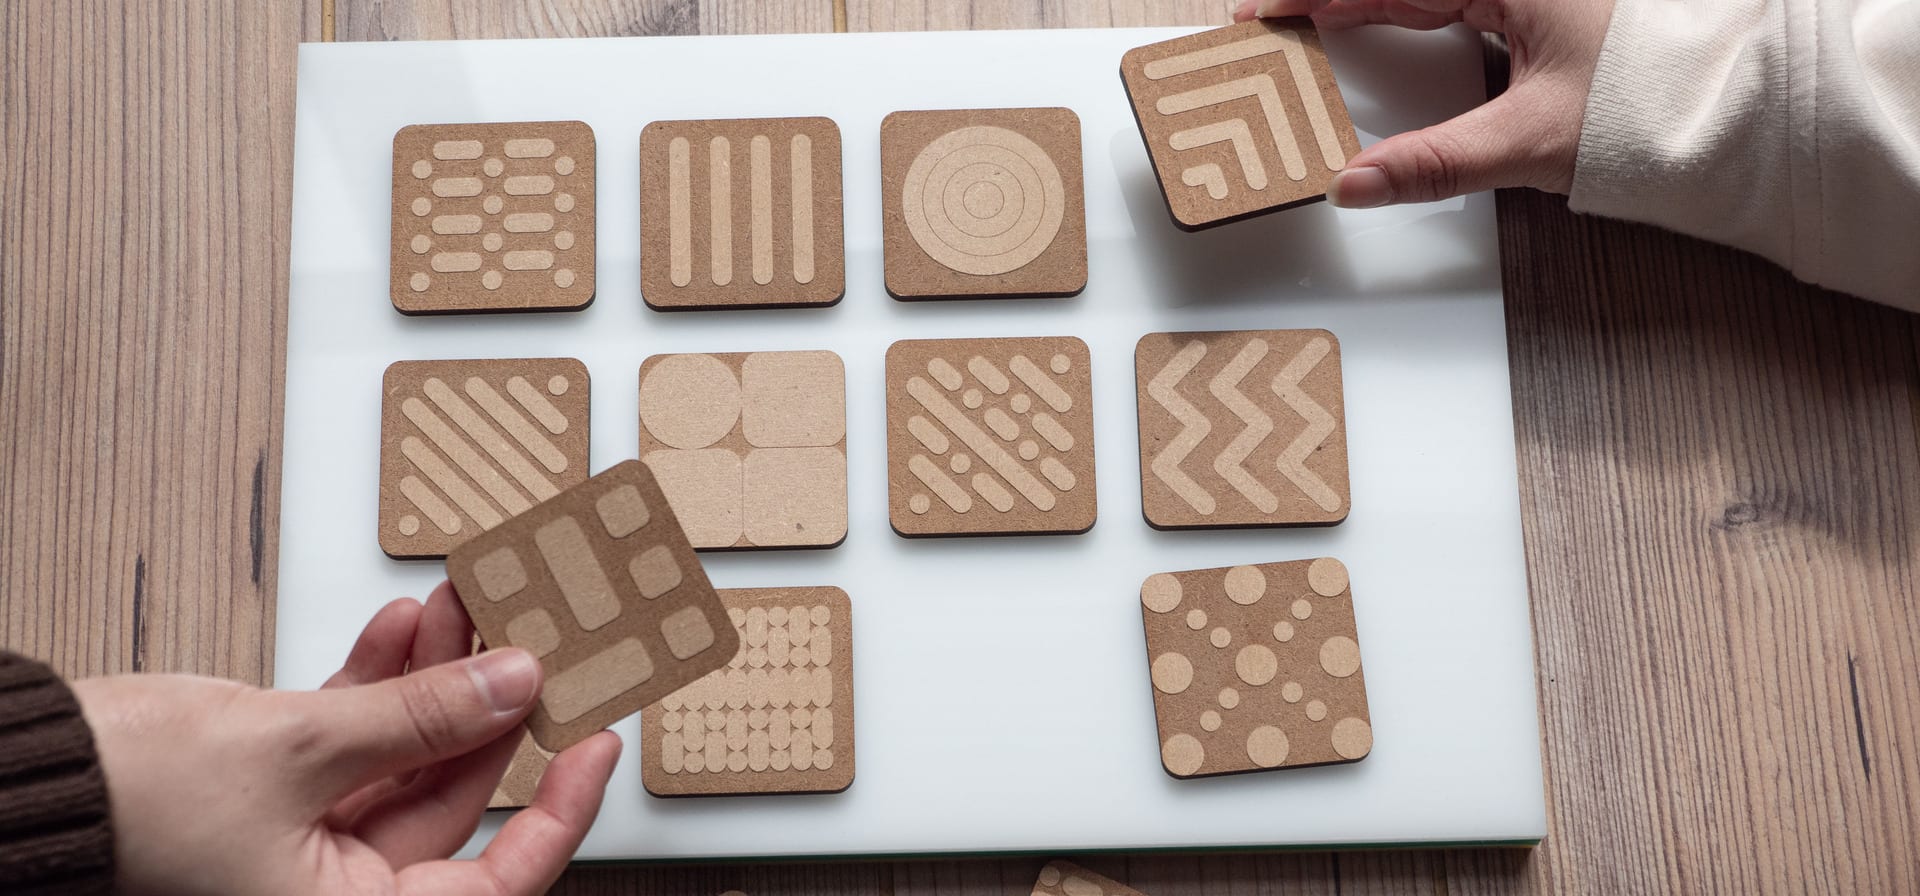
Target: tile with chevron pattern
{"type": "Point", "coordinates": [1241, 428]}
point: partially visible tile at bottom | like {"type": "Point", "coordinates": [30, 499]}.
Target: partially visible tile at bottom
{"type": "Point", "coordinates": [1067, 879]}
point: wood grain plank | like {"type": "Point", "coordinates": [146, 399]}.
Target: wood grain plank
{"type": "Point", "coordinates": [943, 15]}
{"type": "Point", "coordinates": [143, 260]}
{"type": "Point", "coordinates": [442, 19]}
{"type": "Point", "coordinates": [1721, 483]}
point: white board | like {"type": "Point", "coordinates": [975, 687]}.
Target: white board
{"type": "Point", "coordinates": [1002, 683]}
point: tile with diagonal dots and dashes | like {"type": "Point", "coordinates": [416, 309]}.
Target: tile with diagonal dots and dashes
{"type": "Point", "coordinates": [1255, 667]}
{"type": "Point", "coordinates": [601, 584]}
{"type": "Point", "coordinates": [1061, 878]}
{"type": "Point", "coordinates": [990, 436]}
{"type": "Point", "coordinates": [777, 719]}
{"type": "Point", "coordinates": [493, 217]}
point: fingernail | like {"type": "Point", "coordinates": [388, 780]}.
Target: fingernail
{"type": "Point", "coordinates": [507, 678]}
{"type": "Point", "coordinates": [1245, 10]}
{"type": "Point", "coordinates": [1363, 187]}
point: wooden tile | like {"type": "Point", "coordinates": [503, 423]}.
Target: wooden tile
{"type": "Point", "coordinates": [741, 213]}
{"type": "Point", "coordinates": [778, 719]}
{"type": "Point", "coordinates": [493, 217]}
{"type": "Point", "coordinates": [983, 203]}
{"type": "Point", "coordinates": [600, 583]}
{"type": "Point", "coordinates": [1255, 667]}
{"type": "Point", "coordinates": [1240, 121]}
{"type": "Point", "coordinates": [1241, 428]}
{"type": "Point", "coordinates": [990, 436]}
{"type": "Point", "coordinates": [522, 777]}
{"type": "Point", "coordinates": [751, 448]}
{"type": "Point", "coordinates": [466, 444]}
{"type": "Point", "coordinates": [1062, 878]}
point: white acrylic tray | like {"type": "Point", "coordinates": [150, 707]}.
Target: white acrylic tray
{"type": "Point", "coordinates": [1002, 682]}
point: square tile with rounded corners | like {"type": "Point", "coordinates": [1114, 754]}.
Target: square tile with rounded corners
{"type": "Point", "coordinates": [1241, 428]}
{"type": "Point", "coordinates": [741, 213]}
{"type": "Point", "coordinates": [990, 436]}
{"type": "Point", "coordinates": [750, 447]}
{"type": "Point", "coordinates": [983, 203]}
{"type": "Point", "coordinates": [777, 719]}
{"type": "Point", "coordinates": [1241, 120]}
{"type": "Point", "coordinates": [605, 568]}
{"type": "Point", "coordinates": [493, 217]}
{"type": "Point", "coordinates": [465, 445]}
{"type": "Point", "coordinates": [1255, 667]}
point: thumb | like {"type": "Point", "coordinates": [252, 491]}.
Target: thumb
{"type": "Point", "coordinates": [1497, 144]}
{"type": "Point", "coordinates": [361, 734]}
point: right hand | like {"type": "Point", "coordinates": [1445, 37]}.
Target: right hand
{"type": "Point", "coordinates": [1528, 136]}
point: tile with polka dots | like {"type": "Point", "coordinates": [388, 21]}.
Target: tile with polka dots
{"type": "Point", "coordinates": [493, 217]}
{"type": "Point", "coordinates": [1255, 667]}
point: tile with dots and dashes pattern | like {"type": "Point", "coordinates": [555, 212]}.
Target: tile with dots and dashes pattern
{"type": "Point", "coordinates": [1061, 878]}
{"type": "Point", "coordinates": [990, 436]}
{"type": "Point", "coordinates": [1255, 667]}
{"type": "Point", "coordinates": [778, 719]}
{"type": "Point", "coordinates": [493, 217]}
{"type": "Point", "coordinates": [600, 583]}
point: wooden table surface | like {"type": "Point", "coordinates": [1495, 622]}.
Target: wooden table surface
{"type": "Point", "coordinates": [1719, 468]}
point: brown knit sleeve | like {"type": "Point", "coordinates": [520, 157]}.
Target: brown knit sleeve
{"type": "Point", "coordinates": [56, 831]}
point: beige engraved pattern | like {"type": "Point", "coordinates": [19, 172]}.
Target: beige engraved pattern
{"type": "Point", "coordinates": [1265, 451]}
{"type": "Point", "coordinates": [983, 200]}
{"type": "Point", "coordinates": [488, 221]}
{"type": "Point", "coordinates": [1240, 120]}
{"type": "Point", "coordinates": [556, 581]}
{"type": "Point", "coordinates": [749, 448]}
{"type": "Point", "coordinates": [1275, 683]}
{"type": "Point", "coordinates": [747, 184]}
{"type": "Point", "coordinates": [1261, 87]}
{"type": "Point", "coordinates": [1060, 878]}
{"type": "Point", "coordinates": [777, 719]}
{"type": "Point", "coordinates": [467, 444]}
{"type": "Point", "coordinates": [984, 431]}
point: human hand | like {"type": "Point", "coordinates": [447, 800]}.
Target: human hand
{"type": "Point", "coordinates": [365, 786]}
{"type": "Point", "coordinates": [1528, 136]}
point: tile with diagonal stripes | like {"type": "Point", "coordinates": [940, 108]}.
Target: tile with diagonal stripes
{"type": "Point", "coordinates": [466, 445]}
{"type": "Point", "coordinates": [1241, 428]}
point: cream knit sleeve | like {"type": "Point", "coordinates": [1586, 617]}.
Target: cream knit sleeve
{"type": "Point", "coordinates": [1790, 128]}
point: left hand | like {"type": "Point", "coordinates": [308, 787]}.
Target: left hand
{"type": "Point", "coordinates": [365, 786]}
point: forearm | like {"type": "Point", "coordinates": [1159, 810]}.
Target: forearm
{"type": "Point", "coordinates": [1790, 129]}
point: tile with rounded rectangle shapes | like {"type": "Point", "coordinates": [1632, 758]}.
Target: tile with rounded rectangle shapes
{"type": "Point", "coordinates": [608, 649]}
